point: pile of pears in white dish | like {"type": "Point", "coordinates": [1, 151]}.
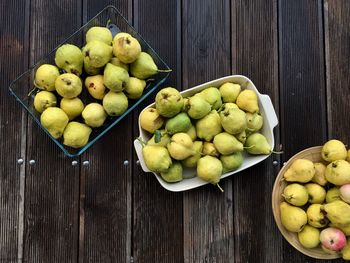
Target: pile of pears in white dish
{"type": "Point", "coordinates": [112, 70]}
{"type": "Point", "coordinates": [316, 202]}
{"type": "Point", "coordinates": [206, 132]}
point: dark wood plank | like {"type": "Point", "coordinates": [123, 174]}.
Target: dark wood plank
{"type": "Point", "coordinates": [255, 55]}
{"type": "Point", "coordinates": [105, 198]}
{"type": "Point", "coordinates": [52, 183]}
{"type": "Point", "coordinates": [157, 213]}
{"type": "Point", "coordinates": [208, 213]}
{"type": "Point", "coordinates": [14, 55]}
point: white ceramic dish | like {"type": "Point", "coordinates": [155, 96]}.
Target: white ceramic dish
{"type": "Point", "coordinates": [266, 110]}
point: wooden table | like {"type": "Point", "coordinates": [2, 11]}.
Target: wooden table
{"type": "Point", "coordinates": [297, 52]}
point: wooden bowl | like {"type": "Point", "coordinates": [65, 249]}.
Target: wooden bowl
{"type": "Point", "coordinates": [312, 154]}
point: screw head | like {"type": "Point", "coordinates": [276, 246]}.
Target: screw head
{"type": "Point", "coordinates": [138, 162]}
{"type": "Point", "coordinates": [275, 163]}
{"type": "Point", "coordinates": [20, 161]}
{"type": "Point", "coordinates": [32, 162]}
{"type": "Point", "coordinates": [74, 163]}
{"type": "Point", "coordinates": [86, 163]}
{"type": "Point", "coordinates": [126, 163]}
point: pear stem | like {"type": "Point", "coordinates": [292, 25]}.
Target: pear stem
{"type": "Point", "coordinates": [32, 90]}
{"type": "Point", "coordinates": [222, 190]}
{"type": "Point", "coordinates": [164, 70]}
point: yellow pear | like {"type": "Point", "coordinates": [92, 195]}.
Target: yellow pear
{"type": "Point", "coordinates": [292, 218]}
{"type": "Point", "coordinates": [126, 47]}
{"type": "Point", "coordinates": [338, 212]}
{"type": "Point", "coordinates": [210, 149]}
{"type": "Point", "coordinates": [229, 91]}
{"type": "Point", "coordinates": [209, 126]}
{"type": "Point", "coordinates": [43, 100]}
{"type": "Point", "coordinates": [333, 194]}
{"type": "Point", "coordinates": [209, 169]}
{"type": "Point", "coordinates": [54, 120]}
{"type": "Point", "coordinates": [180, 146]}
{"type": "Point", "coordinates": [317, 193]}
{"type": "Point", "coordinates": [156, 158]}
{"type": "Point", "coordinates": [319, 176]}
{"type": "Point", "coordinates": [45, 77]}
{"type": "Point", "coordinates": [72, 107]}
{"type": "Point", "coordinates": [94, 115]}
{"type": "Point", "coordinates": [315, 216]}
{"type": "Point", "coordinates": [76, 134]}
{"type": "Point", "coordinates": [247, 100]}
{"type": "Point", "coordinates": [346, 250]}
{"type": "Point", "coordinates": [301, 170]}
{"type": "Point", "coordinates": [134, 88]}
{"type": "Point", "coordinates": [95, 86]}
{"type": "Point", "coordinates": [333, 150]}
{"type": "Point", "coordinates": [102, 34]}
{"type": "Point", "coordinates": [338, 172]}
{"type": "Point", "coordinates": [309, 237]}
{"type": "Point", "coordinates": [116, 62]}
{"type": "Point", "coordinates": [348, 156]}
{"type": "Point", "coordinates": [192, 132]}
{"type": "Point", "coordinates": [295, 194]}
{"type": "Point", "coordinates": [150, 120]}
{"type": "Point", "coordinates": [68, 85]}
{"type": "Point", "coordinates": [164, 139]}
{"type": "Point", "coordinates": [191, 162]}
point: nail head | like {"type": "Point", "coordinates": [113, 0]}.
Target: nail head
{"type": "Point", "coordinates": [20, 161]}
{"type": "Point", "coordinates": [86, 163]}
{"type": "Point", "coordinates": [74, 163]}
{"type": "Point", "coordinates": [32, 162]}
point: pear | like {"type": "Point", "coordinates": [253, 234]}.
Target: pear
{"type": "Point", "coordinates": [43, 100]}
{"type": "Point", "coordinates": [115, 78]}
{"type": "Point", "coordinates": [76, 134]}
{"type": "Point", "coordinates": [317, 193]}
{"type": "Point", "coordinates": [338, 212]}
{"type": "Point", "coordinates": [319, 176]}
{"type": "Point", "coordinates": [229, 105]}
{"type": "Point", "coordinates": [345, 229]}
{"type": "Point", "coordinates": [54, 120]}
{"type": "Point", "coordinates": [209, 169]}
{"type": "Point", "coordinates": [254, 121]}
{"type": "Point", "coordinates": [169, 102]}
{"type": "Point", "coordinates": [333, 194]}
{"type": "Point", "coordinates": [191, 162]}
{"type": "Point", "coordinates": [213, 96]}
{"type": "Point", "coordinates": [315, 216]}
{"type": "Point", "coordinates": [99, 33]}
{"type": "Point", "coordinates": [116, 62]}
{"type": "Point", "coordinates": [143, 67]}
{"type": "Point", "coordinates": [333, 150]}
{"type": "Point", "coordinates": [295, 194]}
{"type": "Point", "coordinates": [198, 107]}
{"type": "Point", "coordinates": [233, 120]}
{"type": "Point", "coordinates": [338, 172]}
{"type": "Point", "coordinates": [70, 58]}
{"type": "Point", "coordinates": [309, 237]}
{"type": "Point", "coordinates": [242, 136]}
{"type": "Point", "coordinates": [301, 170]}
{"type": "Point", "coordinates": [292, 218]}
{"type": "Point", "coordinates": [162, 141]}
{"type": "Point", "coordinates": [95, 86]}
{"type": "Point", "coordinates": [97, 54]}
{"type": "Point", "coordinates": [126, 47]}
{"type": "Point", "coordinates": [94, 115]}
{"type": "Point", "coordinates": [180, 146]}
{"type": "Point", "coordinates": [150, 120]}
{"type": "Point", "coordinates": [90, 70]}
{"type": "Point", "coordinates": [229, 91]}
{"type": "Point", "coordinates": [156, 158]}
{"type": "Point", "coordinates": [345, 252]}
{"type": "Point", "coordinates": [231, 162]}
{"type": "Point", "coordinates": [348, 156]}
{"type": "Point", "coordinates": [186, 106]}
{"type": "Point", "coordinates": [209, 149]}
{"type": "Point", "coordinates": [72, 107]}
{"type": "Point", "coordinates": [45, 77]}
{"type": "Point", "coordinates": [179, 123]}
{"type": "Point", "coordinates": [256, 143]}
{"type": "Point", "coordinates": [226, 143]}
{"type": "Point", "coordinates": [192, 132]}
{"type": "Point", "coordinates": [134, 88]}
{"type": "Point", "coordinates": [115, 103]}
{"type": "Point", "coordinates": [68, 85]}
{"type": "Point", "coordinates": [173, 174]}
{"type": "Point", "coordinates": [247, 100]}
{"type": "Point", "coordinates": [209, 126]}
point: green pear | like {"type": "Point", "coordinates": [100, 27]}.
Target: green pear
{"type": "Point", "coordinates": [295, 194]}
{"type": "Point", "coordinates": [90, 70]}
{"type": "Point", "coordinates": [95, 86]}
{"type": "Point", "coordinates": [179, 123]}
{"type": "Point", "coordinates": [191, 162]}
{"type": "Point", "coordinates": [256, 143]}
{"type": "Point", "coordinates": [169, 102]}
{"type": "Point", "coordinates": [209, 149]}
{"type": "Point", "coordinates": [72, 107]}
{"type": "Point", "coordinates": [115, 103]}
{"type": "Point", "coordinates": [229, 91]}
{"type": "Point", "coordinates": [333, 194]}
{"type": "Point", "coordinates": [54, 120]}
{"type": "Point", "coordinates": [338, 172]}
{"type": "Point", "coordinates": [213, 96]}
{"type": "Point", "coordinates": [209, 126]}
{"type": "Point", "coordinates": [143, 67]}
{"type": "Point", "coordinates": [68, 85]}
{"type": "Point", "coordinates": [254, 121]}
{"type": "Point", "coordinates": [180, 146]}
{"type": "Point", "coordinates": [43, 100]}
{"type": "Point", "coordinates": [134, 88]}
{"type": "Point", "coordinates": [150, 120]}
{"type": "Point", "coordinates": [115, 78]}
{"type": "Point", "coordinates": [97, 54]}
{"type": "Point", "coordinates": [226, 143]}
{"type": "Point", "coordinates": [292, 218]}
{"type": "Point", "coordinates": [198, 107]}
{"type": "Point", "coordinates": [126, 47]}
{"type": "Point", "coordinates": [116, 62]}
{"type": "Point", "coordinates": [317, 193]}
{"type": "Point", "coordinates": [173, 174]}
{"type": "Point", "coordinates": [70, 58]}
{"type": "Point", "coordinates": [315, 216]}
{"type": "Point", "coordinates": [163, 141]}
{"type": "Point", "coordinates": [94, 115]}
{"type": "Point", "coordinates": [242, 136]}
{"type": "Point", "coordinates": [76, 134]}
{"type": "Point", "coordinates": [99, 33]}
{"type": "Point", "coordinates": [192, 132]}
{"type": "Point", "coordinates": [338, 212]}
{"type": "Point", "coordinates": [157, 158]}
{"type": "Point", "coordinates": [45, 77]}
{"type": "Point", "coordinates": [247, 100]}
{"type": "Point", "coordinates": [233, 120]}
{"type": "Point", "coordinates": [209, 169]}
{"type": "Point", "coordinates": [309, 237]}
{"type": "Point", "coordinates": [333, 150]}
{"type": "Point", "coordinates": [345, 252]}
{"type": "Point", "coordinates": [319, 176]}
{"type": "Point", "coordinates": [301, 170]}
{"type": "Point", "coordinates": [231, 162]}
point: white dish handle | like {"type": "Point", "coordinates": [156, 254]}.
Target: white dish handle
{"type": "Point", "coordinates": [269, 109]}
{"type": "Point", "coordinates": [138, 148]}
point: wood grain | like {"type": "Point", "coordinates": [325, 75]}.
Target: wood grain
{"type": "Point", "coordinates": [52, 183]}
{"type": "Point", "coordinates": [255, 55]}
{"type": "Point", "coordinates": [208, 213]}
